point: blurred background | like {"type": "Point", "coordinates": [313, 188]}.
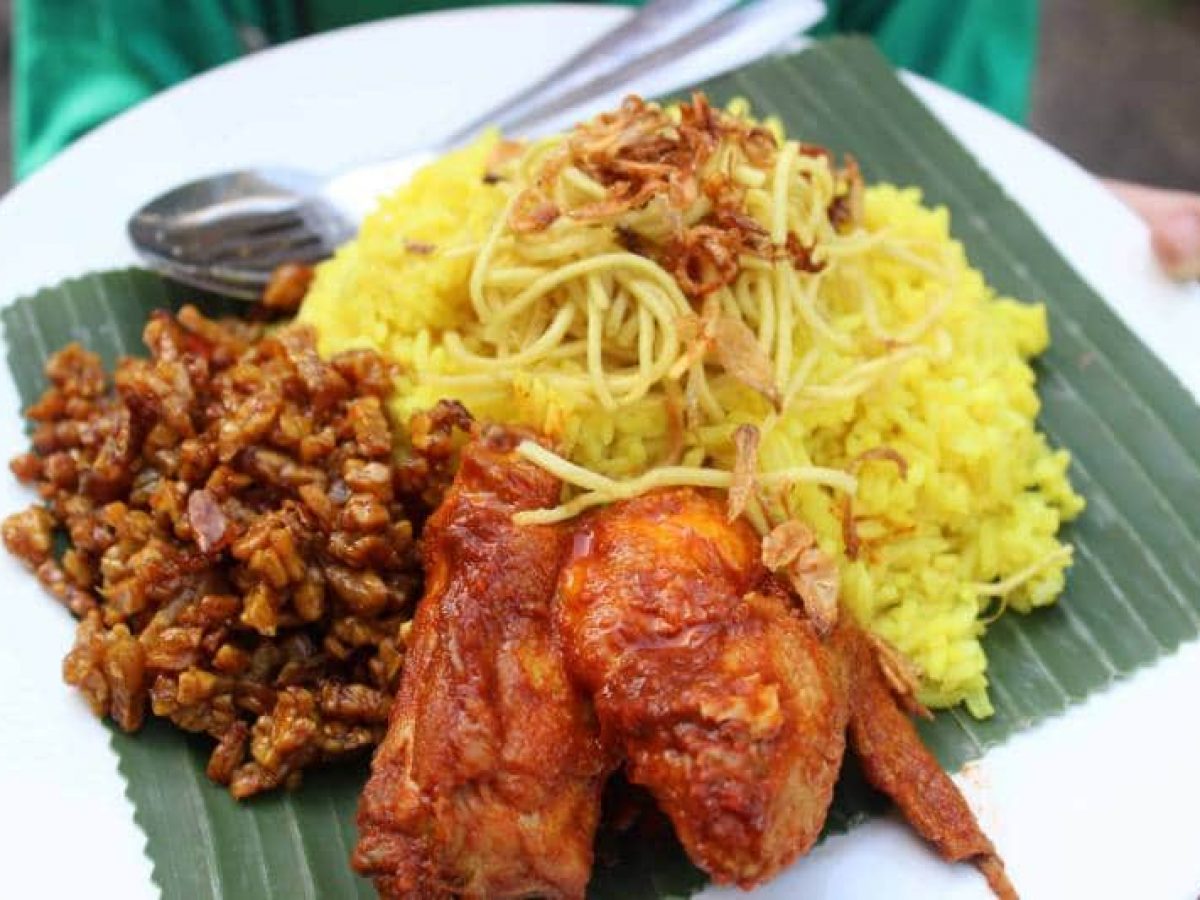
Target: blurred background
{"type": "Point", "coordinates": [1117, 87]}
{"type": "Point", "coordinates": [5, 94]}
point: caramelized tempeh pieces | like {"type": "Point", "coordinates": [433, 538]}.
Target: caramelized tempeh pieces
{"type": "Point", "coordinates": [488, 782]}
{"type": "Point", "coordinates": [242, 556]}
{"type": "Point", "coordinates": [718, 694]}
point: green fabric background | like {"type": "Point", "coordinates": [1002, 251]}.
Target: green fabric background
{"type": "Point", "coordinates": [985, 49]}
{"type": "Point", "coordinates": [77, 63]}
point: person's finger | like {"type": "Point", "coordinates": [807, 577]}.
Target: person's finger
{"type": "Point", "coordinates": [1174, 221]}
{"type": "Point", "coordinates": [1176, 242]}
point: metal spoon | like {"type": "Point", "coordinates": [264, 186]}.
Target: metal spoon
{"type": "Point", "coordinates": [227, 233]}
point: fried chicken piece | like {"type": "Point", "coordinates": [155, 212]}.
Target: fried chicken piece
{"type": "Point", "coordinates": [717, 693]}
{"type": "Point", "coordinates": [488, 782]}
{"type": "Point", "coordinates": [897, 762]}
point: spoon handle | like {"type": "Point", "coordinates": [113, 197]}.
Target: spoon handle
{"type": "Point", "coordinates": [736, 37]}
{"type": "Point", "coordinates": [652, 28]}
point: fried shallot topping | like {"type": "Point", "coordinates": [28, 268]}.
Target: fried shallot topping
{"type": "Point", "coordinates": [745, 441]}
{"type": "Point", "coordinates": [791, 549]}
{"type": "Point", "coordinates": [682, 165]}
{"type": "Point", "coordinates": [850, 537]}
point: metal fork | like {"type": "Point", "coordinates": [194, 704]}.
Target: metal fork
{"type": "Point", "coordinates": [227, 233]}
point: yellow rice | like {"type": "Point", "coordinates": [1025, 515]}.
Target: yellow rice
{"type": "Point", "coordinates": [984, 495]}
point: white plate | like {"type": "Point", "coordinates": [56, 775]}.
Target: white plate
{"type": "Point", "coordinates": [1098, 803]}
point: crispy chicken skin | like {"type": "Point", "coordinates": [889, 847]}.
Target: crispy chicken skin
{"type": "Point", "coordinates": [897, 762]}
{"type": "Point", "coordinates": [488, 782]}
{"type": "Point", "coordinates": [717, 693]}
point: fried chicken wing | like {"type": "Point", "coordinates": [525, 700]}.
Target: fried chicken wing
{"type": "Point", "coordinates": [719, 696]}
{"type": "Point", "coordinates": [897, 762]}
{"type": "Point", "coordinates": [488, 782]}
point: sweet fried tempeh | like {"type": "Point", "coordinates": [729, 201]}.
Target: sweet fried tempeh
{"type": "Point", "coordinates": [897, 762]}
{"type": "Point", "coordinates": [719, 696]}
{"type": "Point", "coordinates": [488, 782]}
